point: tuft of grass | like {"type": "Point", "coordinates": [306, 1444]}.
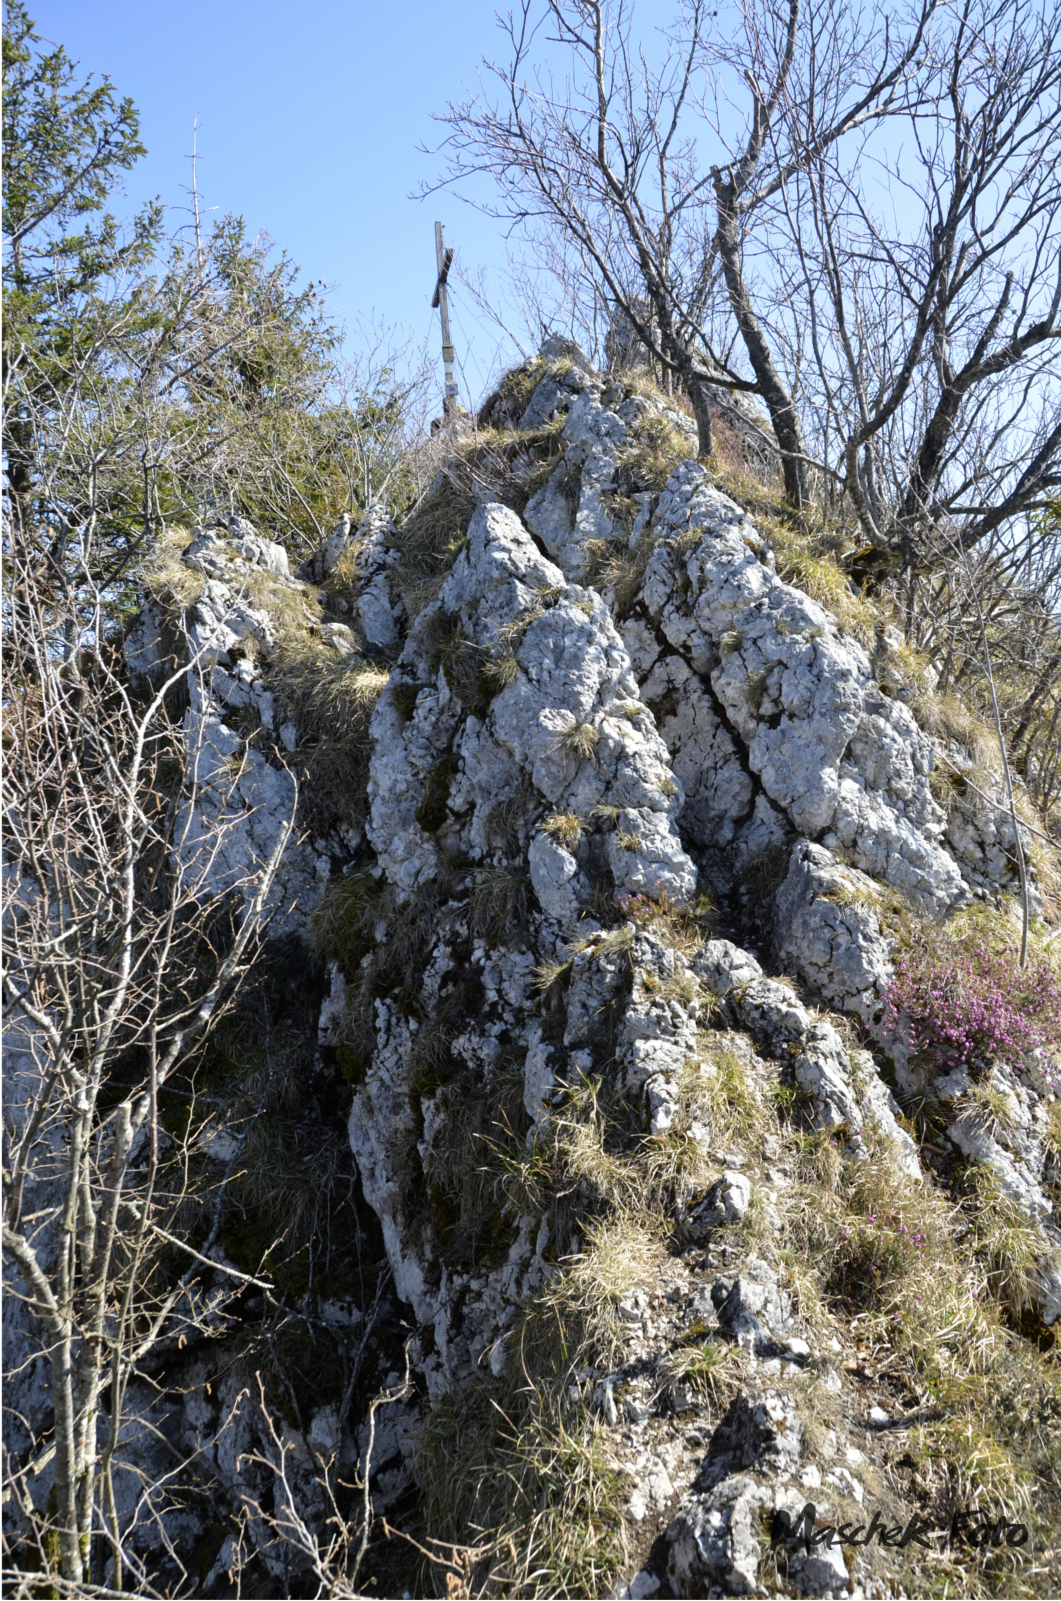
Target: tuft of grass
{"type": "Point", "coordinates": [344, 920]}
{"type": "Point", "coordinates": [942, 1287]}
{"type": "Point", "coordinates": [576, 1322]}
{"type": "Point", "coordinates": [719, 1092]}
{"type": "Point", "coordinates": [165, 576]}
{"type": "Point", "coordinates": [539, 1483]}
{"type": "Point", "coordinates": [608, 816]}
{"type": "Point", "coordinates": [499, 905]}
{"type": "Point", "coordinates": [462, 662]}
{"type": "Point", "coordinates": [757, 688]}
{"type": "Point", "coordinates": [1009, 1246]}
{"type": "Point", "coordinates": [618, 939]}
{"type": "Point", "coordinates": [947, 718]}
{"type": "Point", "coordinates": [512, 396]}
{"type": "Point", "coordinates": [296, 613]}
{"type": "Point", "coordinates": [648, 459]}
{"type": "Point", "coordinates": [710, 1366]}
{"type": "Point", "coordinates": [499, 672]}
{"type": "Point", "coordinates": [567, 827]}
{"type": "Point", "coordinates": [614, 566]}
{"type": "Point", "coordinates": [429, 540]}
{"type": "Point", "coordinates": [509, 819]}
{"type": "Point", "coordinates": [474, 1119]}
{"type": "Point", "coordinates": [987, 1109]}
{"type": "Point", "coordinates": [580, 741]}
{"type": "Point", "coordinates": [546, 974]}
{"type": "Point", "coordinates": [330, 699]}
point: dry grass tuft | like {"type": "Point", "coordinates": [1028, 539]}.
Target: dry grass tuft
{"type": "Point", "coordinates": [647, 461]}
{"type": "Point", "coordinates": [614, 566]}
{"type": "Point", "coordinates": [580, 741]}
{"type": "Point", "coordinates": [499, 905]}
{"type": "Point", "coordinates": [429, 540]}
{"type": "Point", "coordinates": [567, 827]}
{"type": "Point", "coordinates": [719, 1092]}
{"type": "Point", "coordinates": [330, 699]}
{"type": "Point", "coordinates": [165, 577]}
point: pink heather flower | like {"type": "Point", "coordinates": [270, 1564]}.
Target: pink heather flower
{"type": "Point", "coordinates": [968, 1005]}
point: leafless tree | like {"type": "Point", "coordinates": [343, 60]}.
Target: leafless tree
{"type": "Point", "coordinates": [920, 270]}
{"type": "Point", "coordinates": [905, 357]}
{"type": "Point", "coordinates": [612, 161]}
{"type": "Point", "coordinates": [604, 161]}
{"type": "Point", "coordinates": [120, 959]}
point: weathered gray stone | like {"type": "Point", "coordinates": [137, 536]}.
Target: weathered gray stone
{"type": "Point", "coordinates": [320, 566]}
{"type": "Point", "coordinates": [751, 1307]}
{"type": "Point", "coordinates": [826, 930]}
{"type": "Point", "coordinates": [836, 756]}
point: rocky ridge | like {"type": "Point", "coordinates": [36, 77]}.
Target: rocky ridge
{"type": "Point", "coordinates": [776, 734]}
{"type": "Point", "coordinates": [564, 765]}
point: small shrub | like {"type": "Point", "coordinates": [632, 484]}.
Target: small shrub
{"type": "Point", "coordinates": [969, 1004]}
{"type": "Point", "coordinates": [874, 1251]}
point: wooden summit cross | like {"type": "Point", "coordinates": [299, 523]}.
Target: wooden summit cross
{"type": "Point", "coordinates": [441, 300]}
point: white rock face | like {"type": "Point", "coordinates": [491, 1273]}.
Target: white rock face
{"type": "Point", "coordinates": [565, 721]}
{"type": "Point", "coordinates": [556, 392]}
{"type": "Point", "coordinates": [571, 691]}
{"type": "Point", "coordinates": [806, 719]}
{"type": "Point", "coordinates": [237, 804]}
{"type": "Point", "coordinates": [379, 606]}
{"type": "Point", "coordinates": [826, 931]}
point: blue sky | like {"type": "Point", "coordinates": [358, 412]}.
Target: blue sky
{"type": "Point", "coordinates": [309, 121]}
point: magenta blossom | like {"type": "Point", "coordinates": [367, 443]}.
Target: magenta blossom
{"type": "Point", "coordinates": [968, 1005]}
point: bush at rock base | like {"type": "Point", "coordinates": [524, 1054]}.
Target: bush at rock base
{"type": "Point", "coordinates": [969, 1003]}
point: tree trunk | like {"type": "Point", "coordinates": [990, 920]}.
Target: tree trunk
{"type": "Point", "coordinates": [1039, 689]}
{"type": "Point", "coordinates": [705, 441]}
{"type": "Point", "coordinates": [771, 385]}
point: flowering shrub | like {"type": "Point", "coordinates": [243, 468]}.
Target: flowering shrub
{"type": "Point", "coordinates": [968, 1005]}
{"type": "Point", "coordinates": [655, 904]}
{"type": "Point", "coordinates": [638, 908]}
{"type": "Point", "coordinates": [872, 1253]}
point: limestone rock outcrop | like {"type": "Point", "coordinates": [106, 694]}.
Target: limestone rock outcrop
{"type": "Point", "coordinates": [614, 736]}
